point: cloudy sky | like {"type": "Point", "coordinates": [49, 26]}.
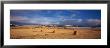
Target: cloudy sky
{"type": "Point", "coordinates": [59, 17]}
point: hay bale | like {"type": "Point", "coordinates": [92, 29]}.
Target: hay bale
{"type": "Point", "coordinates": [75, 32]}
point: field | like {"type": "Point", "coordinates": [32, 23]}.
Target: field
{"type": "Point", "coordinates": [31, 32]}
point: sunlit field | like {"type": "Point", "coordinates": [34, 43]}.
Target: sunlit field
{"type": "Point", "coordinates": [55, 24]}
{"type": "Point", "coordinates": [32, 32]}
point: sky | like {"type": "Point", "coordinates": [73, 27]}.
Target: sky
{"type": "Point", "coordinates": [58, 17]}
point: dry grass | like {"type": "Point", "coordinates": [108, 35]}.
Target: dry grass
{"type": "Point", "coordinates": [25, 32]}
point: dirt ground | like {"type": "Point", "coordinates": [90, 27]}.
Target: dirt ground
{"type": "Point", "coordinates": [31, 32]}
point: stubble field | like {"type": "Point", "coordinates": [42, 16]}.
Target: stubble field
{"type": "Point", "coordinates": [30, 32]}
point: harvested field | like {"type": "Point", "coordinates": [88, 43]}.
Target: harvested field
{"type": "Point", "coordinates": [31, 32]}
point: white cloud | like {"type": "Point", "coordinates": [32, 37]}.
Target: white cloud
{"type": "Point", "coordinates": [75, 20]}
{"type": "Point", "coordinates": [73, 15]}
{"type": "Point", "coordinates": [49, 20]}
{"type": "Point", "coordinates": [94, 21]}
{"type": "Point", "coordinates": [18, 18]}
{"type": "Point", "coordinates": [33, 20]}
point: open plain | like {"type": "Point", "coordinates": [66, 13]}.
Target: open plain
{"type": "Point", "coordinates": [31, 32]}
